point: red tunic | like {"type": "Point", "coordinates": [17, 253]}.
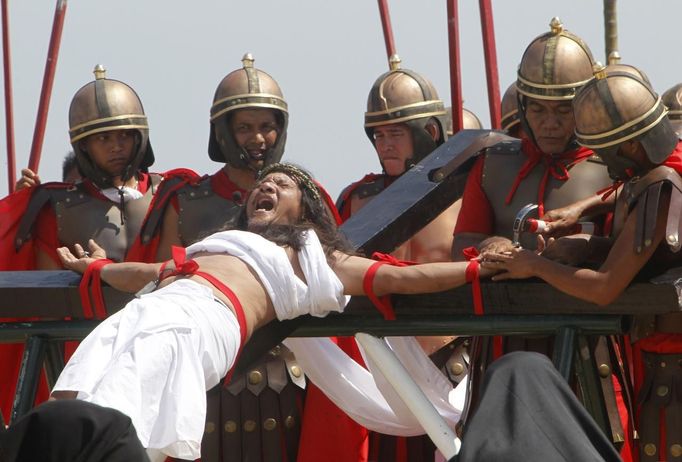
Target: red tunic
{"type": "Point", "coordinates": [45, 237]}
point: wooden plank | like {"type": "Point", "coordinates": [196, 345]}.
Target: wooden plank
{"type": "Point", "coordinates": [49, 294]}
{"type": "Point", "coordinates": [420, 194]}
{"type": "Point", "coordinates": [55, 294]}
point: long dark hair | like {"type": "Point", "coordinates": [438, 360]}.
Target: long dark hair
{"type": "Point", "coordinates": [315, 215]}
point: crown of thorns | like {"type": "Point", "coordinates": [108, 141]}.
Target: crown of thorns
{"type": "Point", "coordinates": [300, 176]}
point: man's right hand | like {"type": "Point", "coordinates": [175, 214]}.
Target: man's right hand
{"type": "Point", "coordinates": [82, 258]}
{"type": "Point", "coordinates": [28, 179]}
{"type": "Point", "coordinates": [563, 221]}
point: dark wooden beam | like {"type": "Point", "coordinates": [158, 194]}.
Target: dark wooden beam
{"type": "Point", "coordinates": [419, 195]}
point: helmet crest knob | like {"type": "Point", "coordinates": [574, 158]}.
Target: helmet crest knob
{"type": "Point", "coordinates": [394, 62]}
{"type": "Point", "coordinates": [556, 26]}
{"type": "Point", "coordinates": [100, 72]}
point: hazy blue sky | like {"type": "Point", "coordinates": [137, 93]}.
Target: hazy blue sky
{"type": "Point", "coordinates": [325, 55]}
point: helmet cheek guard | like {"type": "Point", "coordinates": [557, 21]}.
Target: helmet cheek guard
{"type": "Point", "coordinates": [105, 105]}
{"type": "Point", "coordinates": [673, 101]}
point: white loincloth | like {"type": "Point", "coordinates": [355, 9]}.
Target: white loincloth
{"type": "Point", "coordinates": [154, 361]}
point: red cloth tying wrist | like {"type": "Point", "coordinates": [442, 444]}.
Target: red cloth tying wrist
{"type": "Point", "coordinates": [471, 275]}
{"type": "Point", "coordinates": [92, 277]}
{"type": "Point", "coordinates": [383, 304]}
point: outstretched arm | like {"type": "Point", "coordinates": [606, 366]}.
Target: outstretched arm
{"type": "Point", "coordinates": [417, 279]}
{"type": "Point", "coordinates": [562, 222]}
{"type": "Point", "coordinates": [602, 286]}
{"type": "Point", "coordinates": [127, 277]}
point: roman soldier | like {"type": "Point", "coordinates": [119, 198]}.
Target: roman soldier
{"type": "Point", "coordinates": [511, 123]}
{"type": "Point", "coordinates": [258, 415]}
{"type": "Point", "coordinates": [405, 121]}
{"type": "Point", "coordinates": [622, 119]}
{"type": "Point", "coordinates": [547, 167]}
{"type": "Point", "coordinates": [110, 138]}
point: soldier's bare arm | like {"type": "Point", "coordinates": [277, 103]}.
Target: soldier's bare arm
{"type": "Point", "coordinates": [563, 221]}
{"type": "Point", "coordinates": [417, 279]}
{"type": "Point", "coordinates": [577, 249]}
{"type": "Point", "coordinates": [602, 286]}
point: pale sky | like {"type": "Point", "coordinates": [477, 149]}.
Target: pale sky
{"type": "Point", "coordinates": [324, 54]}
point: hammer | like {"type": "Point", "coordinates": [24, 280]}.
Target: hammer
{"type": "Point", "coordinates": [520, 221]}
{"type": "Point", "coordinates": [522, 224]}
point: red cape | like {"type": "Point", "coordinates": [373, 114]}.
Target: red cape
{"type": "Point", "coordinates": [348, 442]}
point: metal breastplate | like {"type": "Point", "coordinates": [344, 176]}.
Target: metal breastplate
{"type": "Point", "coordinates": [500, 171]}
{"type": "Point", "coordinates": [81, 216]}
{"type": "Point", "coordinates": [202, 212]}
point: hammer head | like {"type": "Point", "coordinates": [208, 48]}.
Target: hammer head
{"type": "Point", "coordinates": [520, 221]}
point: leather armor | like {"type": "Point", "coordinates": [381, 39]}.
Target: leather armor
{"type": "Point", "coordinates": [82, 216]}
{"type": "Point", "coordinates": [202, 211]}
{"type": "Point", "coordinates": [500, 170]}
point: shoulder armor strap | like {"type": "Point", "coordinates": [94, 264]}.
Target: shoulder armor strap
{"type": "Point", "coordinates": [369, 187]}
{"type": "Point", "coordinates": [649, 188]}
{"type": "Point", "coordinates": [361, 188]}
{"type": "Point", "coordinates": [505, 148]}
{"type": "Point", "coordinates": [42, 194]}
{"type": "Point", "coordinates": [596, 159]}
{"type": "Point", "coordinates": [168, 185]}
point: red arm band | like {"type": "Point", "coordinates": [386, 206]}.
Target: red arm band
{"type": "Point", "coordinates": [92, 276]}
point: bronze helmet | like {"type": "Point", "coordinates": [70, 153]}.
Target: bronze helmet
{"type": "Point", "coordinates": [245, 88]}
{"type": "Point", "coordinates": [404, 96]}
{"type": "Point", "coordinates": [510, 109]}
{"type": "Point", "coordinates": [617, 107]}
{"type": "Point", "coordinates": [103, 105]}
{"type": "Point", "coordinates": [627, 68]}
{"type": "Point", "coordinates": [555, 65]}
{"type": "Point", "coordinates": [673, 101]}
{"type": "Point", "coordinates": [469, 121]}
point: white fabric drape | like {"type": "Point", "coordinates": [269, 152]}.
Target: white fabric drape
{"type": "Point", "coordinates": [366, 396]}
{"type": "Point", "coordinates": [320, 294]}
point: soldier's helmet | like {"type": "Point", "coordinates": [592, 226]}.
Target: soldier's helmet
{"type": "Point", "coordinates": [617, 107]}
{"type": "Point", "coordinates": [245, 88]}
{"type": "Point", "coordinates": [404, 96]}
{"type": "Point", "coordinates": [627, 68]}
{"type": "Point", "coordinates": [672, 99]}
{"type": "Point", "coordinates": [509, 107]}
{"type": "Point", "coordinates": [555, 65]}
{"type": "Point", "coordinates": [469, 120]}
{"type": "Point", "coordinates": [103, 105]}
